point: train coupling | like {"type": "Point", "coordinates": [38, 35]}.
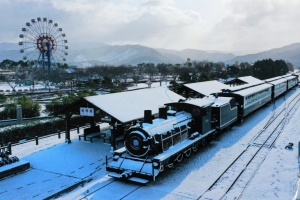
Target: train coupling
{"type": "Point", "coordinates": [126, 174]}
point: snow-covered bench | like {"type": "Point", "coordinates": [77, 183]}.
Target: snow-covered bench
{"type": "Point", "coordinates": [91, 133]}
{"type": "Point", "coordinates": [95, 135]}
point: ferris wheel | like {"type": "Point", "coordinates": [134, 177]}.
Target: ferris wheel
{"type": "Point", "coordinates": [43, 43]}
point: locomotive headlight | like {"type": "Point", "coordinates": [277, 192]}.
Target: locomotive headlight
{"type": "Point", "coordinates": [136, 142]}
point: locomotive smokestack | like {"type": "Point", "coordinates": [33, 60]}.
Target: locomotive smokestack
{"type": "Point", "coordinates": [163, 113]}
{"type": "Point", "coordinates": [148, 116]}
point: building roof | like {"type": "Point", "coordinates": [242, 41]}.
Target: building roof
{"type": "Point", "coordinates": [208, 87]}
{"type": "Point", "coordinates": [127, 106]}
{"type": "Point", "coordinates": [250, 80]}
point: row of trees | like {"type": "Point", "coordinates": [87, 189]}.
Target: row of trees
{"type": "Point", "coordinates": [191, 71]}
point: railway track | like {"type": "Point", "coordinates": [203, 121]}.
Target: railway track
{"type": "Point", "coordinates": [233, 181]}
{"type": "Point", "coordinates": [110, 189]}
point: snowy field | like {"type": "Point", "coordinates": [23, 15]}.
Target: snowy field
{"type": "Point", "coordinates": [57, 166]}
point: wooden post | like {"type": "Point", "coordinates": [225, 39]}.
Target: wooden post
{"type": "Point", "coordinates": [9, 148]}
{"type": "Point", "coordinates": [36, 140]}
{"type": "Point", "coordinates": [112, 137]}
{"type": "Point", "coordinates": [68, 117]}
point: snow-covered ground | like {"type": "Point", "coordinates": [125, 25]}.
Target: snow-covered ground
{"type": "Point", "coordinates": [4, 87]}
{"type": "Point", "coordinates": [56, 166]}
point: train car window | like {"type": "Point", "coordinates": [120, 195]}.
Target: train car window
{"type": "Point", "coordinates": [177, 130]}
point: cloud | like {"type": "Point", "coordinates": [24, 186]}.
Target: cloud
{"type": "Point", "coordinates": [256, 25]}
{"type": "Point", "coordinates": [172, 24]}
{"type": "Point", "coordinates": [153, 23]}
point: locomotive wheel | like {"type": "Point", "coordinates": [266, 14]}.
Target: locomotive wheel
{"type": "Point", "coordinates": [170, 165]}
{"type": "Point", "coordinates": [179, 157]}
{"type": "Point", "coordinates": [187, 152]}
{"type": "Point", "coordinates": [195, 148]}
{"type": "Point", "coordinates": [203, 142]}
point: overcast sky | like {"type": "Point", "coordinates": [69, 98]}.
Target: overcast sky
{"type": "Point", "coordinates": [227, 25]}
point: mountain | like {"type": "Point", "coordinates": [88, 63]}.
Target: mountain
{"type": "Point", "coordinates": [121, 54]}
{"type": "Point", "coordinates": [103, 54]}
{"type": "Point", "coordinates": [290, 53]}
{"type": "Point", "coordinates": [10, 51]}
{"type": "Point", "coordinates": [199, 55]}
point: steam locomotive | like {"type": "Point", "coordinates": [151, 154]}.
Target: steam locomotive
{"type": "Point", "coordinates": [154, 145]}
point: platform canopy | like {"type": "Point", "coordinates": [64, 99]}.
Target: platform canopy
{"type": "Point", "coordinates": [207, 88]}
{"type": "Point", "coordinates": [129, 106]}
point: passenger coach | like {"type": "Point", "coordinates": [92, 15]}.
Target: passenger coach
{"type": "Point", "coordinates": [249, 99]}
{"type": "Point", "coordinates": [292, 81]}
{"type": "Point", "coordinates": [279, 86]}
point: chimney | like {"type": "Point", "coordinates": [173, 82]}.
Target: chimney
{"type": "Point", "coordinates": [148, 116]}
{"type": "Point", "coordinates": [163, 113]}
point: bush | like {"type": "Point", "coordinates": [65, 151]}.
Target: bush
{"type": "Point", "coordinates": [29, 108]}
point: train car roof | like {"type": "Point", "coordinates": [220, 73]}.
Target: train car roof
{"type": "Point", "coordinates": [273, 79]}
{"type": "Point", "coordinates": [208, 87]}
{"type": "Point", "coordinates": [253, 90]}
{"type": "Point", "coordinates": [194, 102]}
{"type": "Point", "coordinates": [128, 106]}
{"type": "Point", "coordinates": [290, 77]}
{"type": "Point", "coordinates": [218, 101]}
{"type": "Point", "coordinates": [276, 81]}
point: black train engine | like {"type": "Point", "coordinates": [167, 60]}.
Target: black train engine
{"type": "Point", "coordinates": [156, 144]}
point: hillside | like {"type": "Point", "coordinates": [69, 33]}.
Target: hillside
{"type": "Point", "coordinates": [134, 54]}
{"type": "Point", "coordinates": [290, 53]}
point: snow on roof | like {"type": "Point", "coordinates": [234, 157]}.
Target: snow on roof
{"type": "Point", "coordinates": [277, 81]}
{"type": "Point", "coordinates": [128, 106]}
{"type": "Point", "coordinates": [254, 89]}
{"type": "Point", "coordinates": [199, 102]}
{"type": "Point", "coordinates": [250, 80]}
{"type": "Point", "coordinates": [290, 77]}
{"type": "Point", "coordinates": [194, 102]}
{"type": "Point", "coordinates": [273, 79]}
{"type": "Point", "coordinates": [219, 101]}
{"type": "Point", "coordinates": [207, 87]}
